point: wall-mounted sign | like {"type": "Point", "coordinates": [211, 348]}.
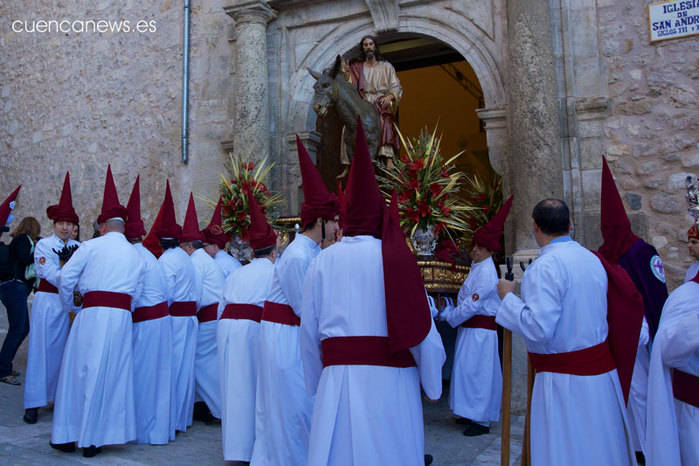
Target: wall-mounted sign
{"type": "Point", "coordinates": [673, 19]}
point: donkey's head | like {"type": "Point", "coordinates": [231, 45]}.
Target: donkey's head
{"type": "Point", "coordinates": [325, 88]}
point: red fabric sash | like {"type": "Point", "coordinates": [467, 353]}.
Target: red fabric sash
{"type": "Point", "coordinates": [141, 314]}
{"type": "Point", "coordinates": [46, 287]}
{"type": "Point", "coordinates": [685, 387]}
{"type": "Point", "coordinates": [107, 299]}
{"type": "Point", "coordinates": [365, 351]}
{"type": "Point", "coordinates": [280, 313]}
{"type": "Point", "coordinates": [183, 308]}
{"type": "Point", "coordinates": [479, 321]}
{"type": "Point", "coordinates": [207, 313]}
{"type": "Point", "coordinates": [242, 311]}
{"type": "Point", "coordinates": [594, 360]}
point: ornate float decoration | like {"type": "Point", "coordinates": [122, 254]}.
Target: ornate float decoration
{"type": "Point", "coordinates": [432, 214]}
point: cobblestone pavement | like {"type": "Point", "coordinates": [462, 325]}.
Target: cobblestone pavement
{"type": "Point", "coordinates": [22, 444]}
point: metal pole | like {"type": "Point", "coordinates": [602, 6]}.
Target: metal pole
{"type": "Point", "coordinates": [185, 86]}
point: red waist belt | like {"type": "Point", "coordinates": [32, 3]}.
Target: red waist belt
{"type": "Point", "coordinates": [183, 308]}
{"type": "Point", "coordinates": [207, 313]}
{"type": "Point", "coordinates": [685, 387]}
{"type": "Point", "coordinates": [242, 311]}
{"type": "Point", "coordinates": [46, 287]}
{"type": "Point", "coordinates": [594, 360]}
{"type": "Point", "coordinates": [107, 299]}
{"type": "Point", "coordinates": [280, 313]}
{"type": "Point", "coordinates": [150, 312]}
{"type": "Point", "coordinates": [366, 351]}
{"type": "Point", "coordinates": [478, 321]}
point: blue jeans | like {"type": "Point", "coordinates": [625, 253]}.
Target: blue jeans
{"type": "Point", "coordinates": [13, 295]}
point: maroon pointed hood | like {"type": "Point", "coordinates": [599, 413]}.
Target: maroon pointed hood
{"type": "Point", "coordinates": [407, 312]}
{"type": "Point", "coordinates": [168, 227]}
{"type": "Point", "coordinates": [63, 211]}
{"type": "Point", "coordinates": [134, 226]}
{"type": "Point", "coordinates": [111, 208]}
{"type": "Point", "coordinates": [317, 201]}
{"type": "Point", "coordinates": [214, 233]}
{"type": "Point", "coordinates": [5, 207]}
{"type": "Point", "coordinates": [693, 232]}
{"type": "Point", "coordinates": [615, 225]}
{"type": "Point", "coordinates": [151, 241]}
{"type": "Point", "coordinates": [260, 234]}
{"type": "Point", "coordinates": [190, 228]}
{"type": "Point", "coordinates": [488, 236]}
{"type": "Point", "coordinates": [364, 204]}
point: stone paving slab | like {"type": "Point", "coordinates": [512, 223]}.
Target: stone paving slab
{"type": "Point", "coordinates": [22, 444]}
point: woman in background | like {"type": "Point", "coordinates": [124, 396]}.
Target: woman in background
{"type": "Point", "coordinates": [14, 293]}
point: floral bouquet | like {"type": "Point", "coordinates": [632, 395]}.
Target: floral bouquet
{"type": "Point", "coordinates": [485, 198]}
{"type": "Point", "coordinates": [243, 179]}
{"type": "Point", "coordinates": [426, 187]}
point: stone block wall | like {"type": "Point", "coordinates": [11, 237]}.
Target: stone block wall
{"type": "Point", "coordinates": [80, 100]}
{"type": "Point", "coordinates": [652, 131]}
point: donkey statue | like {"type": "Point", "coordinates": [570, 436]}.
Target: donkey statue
{"type": "Point", "coordinates": [331, 88]}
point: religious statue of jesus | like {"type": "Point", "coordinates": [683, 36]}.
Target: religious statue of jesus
{"type": "Point", "coordinates": [376, 81]}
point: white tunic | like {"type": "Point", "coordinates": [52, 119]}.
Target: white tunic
{"type": "Point", "coordinates": [363, 414]}
{"type": "Point", "coordinates": [180, 283]}
{"type": "Point", "coordinates": [95, 395]}
{"type": "Point", "coordinates": [476, 379]}
{"type": "Point", "coordinates": [227, 262]}
{"type": "Point", "coordinates": [49, 325]}
{"type": "Point", "coordinates": [210, 285]}
{"type": "Point", "coordinates": [638, 391]}
{"type": "Point", "coordinates": [238, 354]}
{"type": "Point", "coordinates": [280, 370]}
{"type": "Point", "coordinates": [152, 345]}
{"type": "Point", "coordinates": [564, 308]}
{"type": "Point", "coordinates": [672, 437]}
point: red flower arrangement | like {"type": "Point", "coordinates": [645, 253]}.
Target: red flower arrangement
{"type": "Point", "coordinates": [245, 178]}
{"type": "Point", "coordinates": [426, 187]}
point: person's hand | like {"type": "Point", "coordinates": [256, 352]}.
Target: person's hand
{"type": "Point", "coordinates": [385, 101]}
{"type": "Point", "coordinates": [504, 287]}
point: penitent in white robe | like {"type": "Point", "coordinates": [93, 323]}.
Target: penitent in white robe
{"type": "Point", "coordinates": [180, 283]}
{"type": "Point", "coordinates": [95, 395]}
{"type": "Point", "coordinates": [280, 370]}
{"type": "Point", "coordinates": [152, 360]}
{"type": "Point", "coordinates": [362, 414]}
{"type": "Point", "coordinates": [49, 326]}
{"type": "Point", "coordinates": [476, 379]}
{"type": "Point", "coordinates": [210, 286]}
{"type": "Point", "coordinates": [238, 354]}
{"type": "Point", "coordinates": [227, 262]}
{"type": "Point", "coordinates": [575, 420]}
{"type": "Point", "coordinates": [672, 436]}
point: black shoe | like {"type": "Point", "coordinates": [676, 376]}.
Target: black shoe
{"type": "Point", "coordinates": [91, 451]}
{"type": "Point", "coordinates": [640, 458]}
{"type": "Point", "coordinates": [428, 460]}
{"type": "Point", "coordinates": [473, 430]}
{"type": "Point", "coordinates": [463, 421]}
{"type": "Point", "coordinates": [202, 413]}
{"type": "Point", "coordinates": [31, 415]}
{"type": "Point", "coordinates": [64, 447]}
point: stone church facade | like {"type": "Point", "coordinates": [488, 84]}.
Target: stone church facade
{"type": "Point", "coordinates": [563, 82]}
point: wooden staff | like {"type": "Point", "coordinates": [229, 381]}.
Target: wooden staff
{"type": "Point", "coordinates": [526, 440]}
{"type": "Point", "coordinates": [506, 382]}
{"type": "Point", "coordinates": [506, 397]}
